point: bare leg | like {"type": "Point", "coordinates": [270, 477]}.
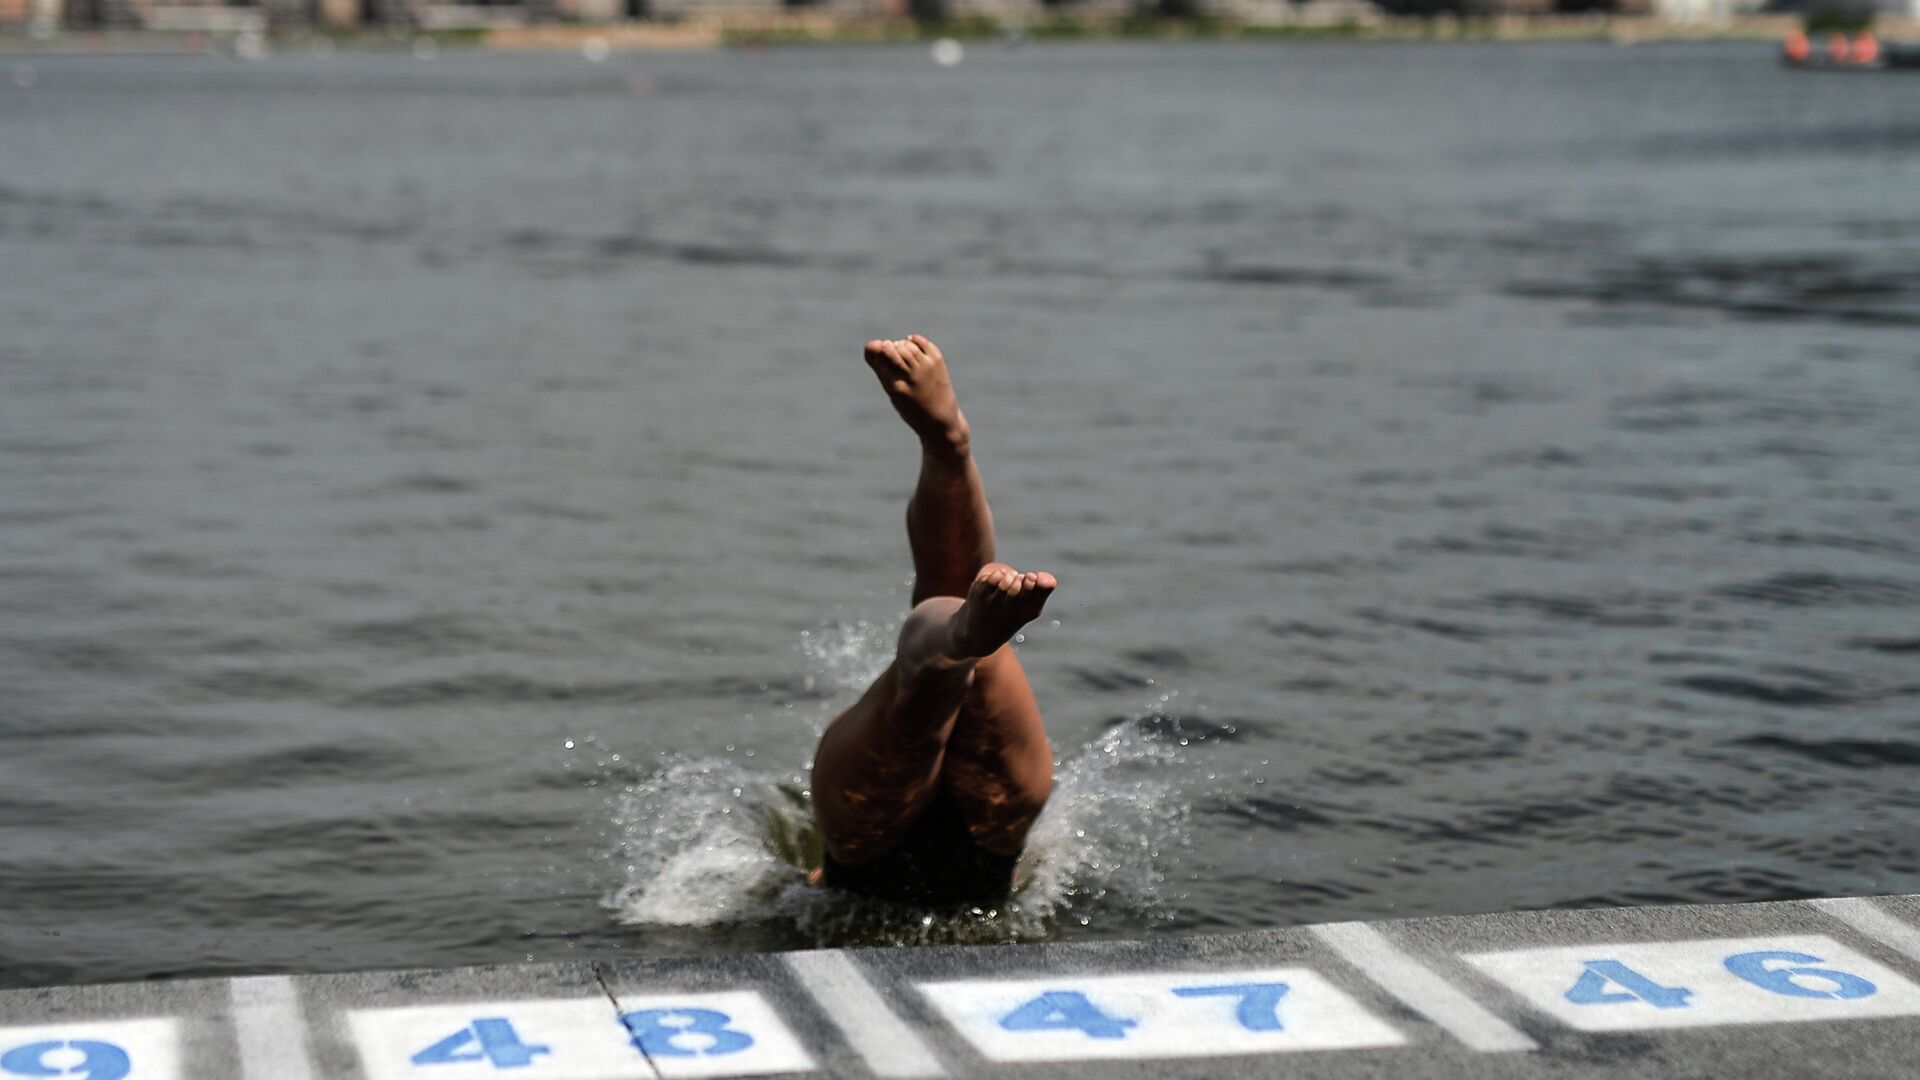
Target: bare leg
{"type": "Point", "coordinates": [999, 768]}
{"type": "Point", "coordinates": [881, 761]}
{"type": "Point", "coordinates": [948, 524]}
{"type": "Point", "coordinates": [916, 729]}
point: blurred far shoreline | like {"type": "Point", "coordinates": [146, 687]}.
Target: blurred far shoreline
{"type": "Point", "coordinates": [250, 33]}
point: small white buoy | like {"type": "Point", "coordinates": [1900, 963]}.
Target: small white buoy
{"type": "Point", "coordinates": [425, 48]}
{"type": "Point", "coordinates": [595, 49]}
{"type": "Point", "coordinates": [947, 52]}
{"type": "Point", "coordinates": [24, 76]}
{"type": "Point", "coordinates": [250, 45]}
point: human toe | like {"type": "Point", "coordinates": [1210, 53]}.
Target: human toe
{"type": "Point", "coordinates": [881, 357]}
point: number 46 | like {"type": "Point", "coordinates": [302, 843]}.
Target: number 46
{"type": "Point", "coordinates": [1591, 988]}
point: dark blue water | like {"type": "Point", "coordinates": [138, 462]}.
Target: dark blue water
{"type": "Point", "coordinates": [440, 502]}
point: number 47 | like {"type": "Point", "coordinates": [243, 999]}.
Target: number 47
{"type": "Point", "coordinates": [1258, 1009]}
{"type": "Point", "coordinates": [1259, 1006]}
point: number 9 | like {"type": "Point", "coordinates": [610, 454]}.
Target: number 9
{"type": "Point", "coordinates": [1753, 967]}
{"type": "Point", "coordinates": [98, 1060]}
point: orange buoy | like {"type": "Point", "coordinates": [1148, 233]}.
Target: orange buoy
{"type": "Point", "coordinates": [1839, 50]}
{"type": "Point", "coordinates": [1866, 49]}
{"type": "Point", "coordinates": [1796, 48]}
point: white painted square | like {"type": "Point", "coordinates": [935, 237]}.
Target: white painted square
{"type": "Point", "coordinates": [1311, 1014]}
{"type": "Point", "coordinates": [582, 1040]}
{"type": "Point", "coordinates": [1715, 995]}
{"type": "Point", "coordinates": [679, 1047]}
{"type": "Point", "coordinates": [149, 1049]}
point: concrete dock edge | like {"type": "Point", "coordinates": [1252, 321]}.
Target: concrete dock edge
{"type": "Point", "coordinates": [1791, 989]}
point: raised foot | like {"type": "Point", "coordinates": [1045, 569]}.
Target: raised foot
{"type": "Point", "coordinates": [1000, 602]}
{"type": "Point", "coordinates": [914, 374]}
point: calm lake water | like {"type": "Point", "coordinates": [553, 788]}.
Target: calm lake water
{"type": "Point", "coordinates": [441, 502]}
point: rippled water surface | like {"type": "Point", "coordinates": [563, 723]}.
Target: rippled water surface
{"type": "Point", "coordinates": [441, 502]}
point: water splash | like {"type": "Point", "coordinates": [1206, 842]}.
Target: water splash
{"type": "Point", "coordinates": [1115, 822]}
{"type": "Point", "coordinates": [710, 842]}
{"type": "Point", "coordinates": [707, 842]}
{"type": "Point", "coordinates": [847, 657]}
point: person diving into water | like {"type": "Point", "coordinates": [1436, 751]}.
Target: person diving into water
{"type": "Point", "coordinates": [925, 788]}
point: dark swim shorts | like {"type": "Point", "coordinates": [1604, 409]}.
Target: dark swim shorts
{"type": "Point", "coordinates": [936, 865]}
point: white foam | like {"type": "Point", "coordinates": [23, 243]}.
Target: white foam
{"type": "Point", "coordinates": [847, 657]}
{"type": "Point", "coordinates": [708, 842]}
{"type": "Point", "coordinates": [699, 845]}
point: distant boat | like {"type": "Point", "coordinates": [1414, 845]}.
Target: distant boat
{"type": "Point", "coordinates": [1842, 52]}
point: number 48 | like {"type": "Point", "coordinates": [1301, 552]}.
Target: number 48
{"type": "Point", "coordinates": [490, 1039]}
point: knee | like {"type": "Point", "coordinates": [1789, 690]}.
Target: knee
{"type": "Point", "coordinates": [928, 619]}
{"type": "Point", "coordinates": [924, 649]}
{"type": "Point", "coordinates": [934, 609]}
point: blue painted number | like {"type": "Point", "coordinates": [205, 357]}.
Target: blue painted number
{"type": "Point", "coordinates": [1752, 966]}
{"type": "Point", "coordinates": [1066, 1010]}
{"type": "Point", "coordinates": [1259, 1008]}
{"type": "Point", "coordinates": [1591, 989]}
{"type": "Point", "coordinates": [667, 1033]}
{"type": "Point", "coordinates": [488, 1039]}
{"type": "Point", "coordinates": [98, 1060]}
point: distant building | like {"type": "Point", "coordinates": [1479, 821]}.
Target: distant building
{"type": "Point", "coordinates": [1705, 10]}
{"type": "Point", "coordinates": [229, 16]}
{"type": "Point", "coordinates": [1299, 12]}
{"type": "Point", "coordinates": [1714, 10]}
{"type": "Point", "coordinates": [1698, 11]}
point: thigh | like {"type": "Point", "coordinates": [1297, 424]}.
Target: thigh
{"type": "Point", "coordinates": [873, 775]}
{"type": "Point", "coordinates": [999, 766]}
